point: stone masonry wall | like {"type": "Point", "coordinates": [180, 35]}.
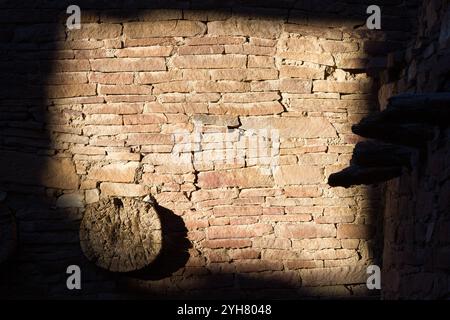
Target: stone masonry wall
{"type": "Point", "coordinates": [231, 119]}
{"type": "Point", "coordinates": [416, 245]}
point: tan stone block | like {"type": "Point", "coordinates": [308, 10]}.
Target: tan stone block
{"type": "Point", "coordinates": [98, 31]}
{"type": "Point", "coordinates": [342, 86]}
{"type": "Point", "coordinates": [243, 178]}
{"type": "Point", "coordinates": [149, 139]}
{"type": "Point", "coordinates": [104, 89]}
{"type": "Point", "coordinates": [237, 211]}
{"type": "Point", "coordinates": [240, 27]}
{"type": "Point", "coordinates": [260, 62]}
{"type": "Point", "coordinates": [210, 61]}
{"type": "Point", "coordinates": [305, 230]}
{"type": "Point", "coordinates": [247, 109]}
{"type": "Point", "coordinates": [142, 52]}
{"type": "Point", "coordinates": [103, 119]}
{"type": "Point", "coordinates": [208, 49]}
{"type": "Point", "coordinates": [91, 196]}
{"type": "Point", "coordinates": [298, 174]}
{"type": "Point", "coordinates": [144, 119]}
{"type": "Point", "coordinates": [122, 189]}
{"type": "Point", "coordinates": [70, 90]}
{"type": "Point", "coordinates": [111, 78]}
{"type": "Point", "coordinates": [128, 64]}
{"type": "Point", "coordinates": [232, 232]}
{"type": "Point", "coordinates": [302, 192]}
{"type": "Point", "coordinates": [113, 108]}
{"type": "Point", "coordinates": [114, 172]}
{"type": "Point", "coordinates": [325, 59]}
{"type": "Point", "coordinates": [305, 127]}
{"type": "Point", "coordinates": [178, 28]}
{"type": "Point", "coordinates": [158, 76]}
{"type": "Point", "coordinates": [301, 72]}
{"type": "Point", "coordinates": [295, 86]}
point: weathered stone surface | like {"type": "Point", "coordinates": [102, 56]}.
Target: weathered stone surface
{"type": "Point", "coordinates": [121, 234]}
{"type": "Point", "coordinates": [305, 230]}
{"type": "Point", "coordinates": [114, 172]}
{"type": "Point", "coordinates": [243, 178]}
{"type": "Point", "coordinates": [308, 127]}
{"type": "Point", "coordinates": [256, 28]}
{"type": "Point", "coordinates": [297, 175]}
{"type": "Point", "coordinates": [122, 189]}
{"type": "Point", "coordinates": [149, 29]}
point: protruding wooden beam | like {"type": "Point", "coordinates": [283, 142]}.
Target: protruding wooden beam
{"type": "Point", "coordinates": [377, 154]}
{"type": "Point", "coordinates": [355, 175]}
{"type": "Point", "coordinates": [408, 134]}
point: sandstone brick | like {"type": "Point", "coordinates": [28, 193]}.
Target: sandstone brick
{"type": "Point", "coordinates": [253, 74]}
{"type": "Point", "coordinates": [128, 64]}
{"type": "Point", "coordinates": [342, 86]}
{"type": "Point", "coordinates": [354, 231]}
{"type": "Point", "coordinates": [247, 109]}
{"type": "Point", "coordinates": [250, 97]}
{"type": "Point", "coordinates": [305, 127]}
{"type": "Point", "coordinates": [98, 31]}
{"type": "Point", "coordinates": [102, 119]}
{"type": "Point", "coordinates": [113, 108]}
{"type": "Point", "coordinates": [325, 59]}
{"type": "Point", "coordinates": [143, 52]}
{"type": "Point", "coordinates": [243, 178]}
{"type": "Point", "coordinates": [212, 40]}
{"type": "Point", "coordinates": [70, 90]}
{"type": "Point", "coordinates": [298, 174]}
{"type": "Point", "coordinates": [339, 46]}
{"type": "Point", "coordinates": [209, 61]}
{"type": "Point", "coordinates": [222, 120]}
{"type": "Point", "coordinates": [303, 264]}
{"type": "Point", "coordinates": [271, 242]}
{"type": "Point", "coordinates": [302, 192]}
{"type": "Point", "coordinates": [301, 72]}
{"type": "Point", "coordinates": [210, 49]}
{"type": "Point", "coordinates": [255, 28]}
{"type": "Point", "coordinates": [158, 76]}
{"type": "Point", "coordinates": [114, 172]}
{"type": "Point", "coordinates": [178, 28]}
{"type": "Point", "coordinates": [220, 86]}
{"type": "Point", "coordinates": [260, 62]}
{"type": "Point", "coordinates": [237, 211]}
{"type": "Point", "coordinates": [303, 45]}
{"type": "Point", "coordinates": [149, 138]}
{"type": "Point", "coordinates": [91, 196]}
{"type": "Point", "coordinates": [104, 89]}
{"type": "Point", "coordinates": [305, 230]}
{"type": "Point", "coordinates": [144, 119]}
{"type": "Point", "coordinates": [227, 243]}
{"type": "Point", "coordinates": [232, 232]}
{"type": "Point", "coordinates": [316, 244]}
{"type": "Point", "coordinates": [122, 189]}
{"type": "Point", "coordinates": [314, 31]}
{"type": "Point", "coordinates": [295, 86]}
{"type": "Point", "coordinates": [243, 254]}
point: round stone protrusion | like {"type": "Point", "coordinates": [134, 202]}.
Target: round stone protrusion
{"type": "Point", "coordinates": [121, 234]}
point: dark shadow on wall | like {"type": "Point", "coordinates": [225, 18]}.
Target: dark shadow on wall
{"type": "Point", "coordinates": [48, 237]}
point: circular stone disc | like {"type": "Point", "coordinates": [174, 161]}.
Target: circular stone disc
{"type": "Point", "coordinates": [121, 234]}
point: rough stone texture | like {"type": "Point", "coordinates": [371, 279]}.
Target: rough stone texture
{"type": "Point", "coordinates": [121, 234]}
{"type": "Point", "coordinates": [176, 103]}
